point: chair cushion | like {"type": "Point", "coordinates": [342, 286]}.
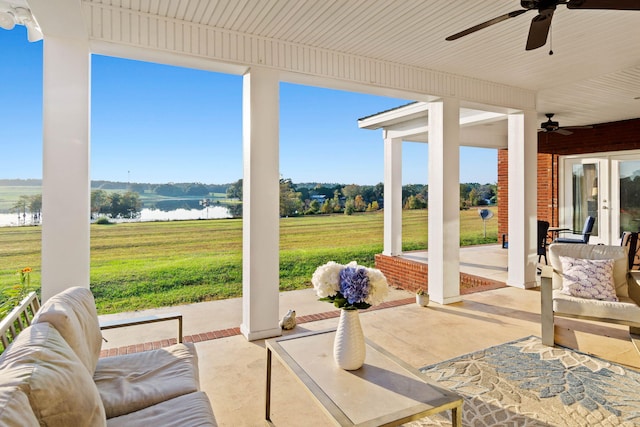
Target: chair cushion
{"type": "Point", "coordinates": [588, 278]}
{"type": "Point", "coordinates": [617, 253]}
{"type": "Point", "coordinates": [193, 409]}
{"type": "Point", "coordinates": [60, 390]}
{"type": "Point", "coordinates": [625, 309]}
{"type": "Point", "coordinates": [135, 381]}
{"type": "Point", "coordinates": [73, 313]}
{"type": "Point", "coordinates": [15, 410]}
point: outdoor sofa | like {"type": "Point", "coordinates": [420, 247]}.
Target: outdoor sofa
{"type": "Point", "coordinates": [556, 302]}
{"type": "Point", "coordinates": [51, 374]}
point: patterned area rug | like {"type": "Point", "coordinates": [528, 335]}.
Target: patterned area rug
{"type": "Point", "coordinates": [523, 383]}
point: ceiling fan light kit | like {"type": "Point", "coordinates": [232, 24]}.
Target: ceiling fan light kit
{"type": "Point", "coordinates": [541, 23]}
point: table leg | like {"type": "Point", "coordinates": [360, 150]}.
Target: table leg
{"type": "Point", "coordinates": [456, 417]}
{"type": "Point", "coordinates": [267, 406]}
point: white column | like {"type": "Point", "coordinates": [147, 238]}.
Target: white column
{"type": "Point", "coordinates": [261, 212]}
{"type": "Point", "coordinates": [523, 163]}
{"type": "Point", "coordinates": [392, 196]}
{"type": "Point", "coordinates": [66, 183]}
{"type": "Point", "coordinates": [444, 201]}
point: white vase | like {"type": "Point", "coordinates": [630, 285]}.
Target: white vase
{"type": "Point", "coordinates": [349, 347]}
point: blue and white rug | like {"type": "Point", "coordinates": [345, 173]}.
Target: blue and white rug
{"type": "Point", "coordinates": [524, 383]}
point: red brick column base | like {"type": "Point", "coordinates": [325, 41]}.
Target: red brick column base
{"type": "Point", "coordinates": [413, 275]}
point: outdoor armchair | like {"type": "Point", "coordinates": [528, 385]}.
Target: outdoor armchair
{"type": "Point", "coordinates": [558, 298]}
{"type": "Point", "coordinates": [586, 233]}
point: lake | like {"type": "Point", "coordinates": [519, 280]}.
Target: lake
{"type": "Point", "coordinates": [146, 214]}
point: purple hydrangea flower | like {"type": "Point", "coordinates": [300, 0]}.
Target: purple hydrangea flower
{"type": "Point", "coordinates": [354, 284]}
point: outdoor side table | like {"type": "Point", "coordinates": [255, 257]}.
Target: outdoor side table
{"type": "Point", "coordinates": [385, 392]}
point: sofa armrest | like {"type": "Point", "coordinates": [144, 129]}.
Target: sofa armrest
{"type": "Point", "coordinates": [121, 323]}
{"type": "Point", "coordinates": [633, 280]}
{"type": "Point", "coordinates": [546, 305]}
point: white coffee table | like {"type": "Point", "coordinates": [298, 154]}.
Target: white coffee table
{"type": "Point", "coordinates": [385, 392]}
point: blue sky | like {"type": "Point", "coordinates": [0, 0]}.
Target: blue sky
{"type": "Point", "coordinates": [156, 123]}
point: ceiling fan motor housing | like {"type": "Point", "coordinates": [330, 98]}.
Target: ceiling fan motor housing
{"type": "Point", "coordinates": [550, 125]}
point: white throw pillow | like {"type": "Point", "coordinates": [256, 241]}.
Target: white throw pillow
{"type": "Point", "coordinates": [588, 278]}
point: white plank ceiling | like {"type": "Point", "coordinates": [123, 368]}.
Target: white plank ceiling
{"type": "Point", "coordinates": [592, 77]}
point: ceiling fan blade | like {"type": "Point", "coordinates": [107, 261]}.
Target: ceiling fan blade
{"type": "Point", "coordinates": [487, 24]}
{"type": "Point", "coordinates": [578, 127]}
{"type": "Point", "coordinates": [539, 29]}
{"type": "Point", "coordinates": [563, 132]}
{"type": "Point", "coordinates": [604, 4]}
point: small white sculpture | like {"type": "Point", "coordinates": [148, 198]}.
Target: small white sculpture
{"type": "Point", "coordinates": [289, 320]}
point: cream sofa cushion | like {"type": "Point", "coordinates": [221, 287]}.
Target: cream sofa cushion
{"type": "Point", "coordinates": [624, 309]}
{"type": "Point", "coordinates": [60, 390]}
{"type": "Point", "coordinates": [73, 313]}
{"type": "Point", "coordinates": [15, 410]}
{"type": "Point", "coordinates": [193, 409]}
{"type": "Point", "coordinates": [149, 376]}
{"type": "Point", "coordinates": [575, 250]}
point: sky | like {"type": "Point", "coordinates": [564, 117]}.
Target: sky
{"type": "Point", "coordinates": [156, 123]}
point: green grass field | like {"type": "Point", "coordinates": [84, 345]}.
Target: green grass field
{"type": "Point", "coordinates": [143, 265]}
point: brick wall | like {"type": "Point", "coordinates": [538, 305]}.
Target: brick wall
{"type": "Point", "coordinates": [403, 273]}
{"type": "Point", "coordinates": [413, 275]}
{"type": "Point", "coordinates": [604, 137]}
{"type": "Point", "coordinates": [615, 136]}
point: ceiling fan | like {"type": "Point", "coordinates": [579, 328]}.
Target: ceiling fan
{"type": "Point", "coordinates": [551, 126]}
{"type": "Point", "coordinates": [541, 23]}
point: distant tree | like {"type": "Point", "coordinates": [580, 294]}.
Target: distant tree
{"type": "Point", "coordinates": [99, 201]}
{"type": "Point", "coordinates": [314, 207]}
{"type": "Point", "coordinates": [169, 190]}
{"type": "Point", "coordinates": [125, 205]}
{"type": "Point", "coordinates": [359, 204]}
{"type": "Point", "coordinates": [373, 206]}
{"type": "Point", "coordinates": [415, 202]}
{"type": "Point", "coordinates": [20, 206]}
{"type": "Point", "coordinates": [290, 203]}
{"type": "Point", "coordinates": [337, 206]}
{"type": "Point", "coordinates": [378, 191]}
{"type": "Point", "coordinates": [327, 207]}
{"type": "Point", "coordinates": [351, 191]}
{"type": "Point", "coordinates": [197, 189]}
{"type": "Point", "coordinates": [131, 202]}
{"type": "Point", "coordinates": [234, 190]}
{"type": "Point", "coordinates": [474, 196]}
{"type": "Point", "coordinates": [322, 190]}
{"type": "Point", "coordinates": [349, 207]}
{"type": "Point", "coordinates": [368, 193]}
{"type": "Point", "coordinates": [235, 210]}
{"type": "Point", "coordinates": [304, 192]}
{"type": "Point", "coordinates": [35, 204]}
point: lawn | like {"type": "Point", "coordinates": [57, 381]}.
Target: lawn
{"type": "Point", "coordinates": [143, 265]}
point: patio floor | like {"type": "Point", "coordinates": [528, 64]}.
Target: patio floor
{"type": "Point", "coordinates": [232, 370]}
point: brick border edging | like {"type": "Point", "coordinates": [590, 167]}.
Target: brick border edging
{"type": "Point", "coordinates": [474, 284]}
{"type": "Point", "coordinates": [223, 333]}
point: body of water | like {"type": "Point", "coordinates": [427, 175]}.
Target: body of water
{"type": "Point", "coordinates": [213, 212]}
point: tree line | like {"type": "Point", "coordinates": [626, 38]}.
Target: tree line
{"type": "Point", "coordinates": [295, 199]}
{"type": "Point", "coordinates": [315, 198]}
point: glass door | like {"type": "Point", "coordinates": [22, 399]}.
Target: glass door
{"type": "Point", "coordinates": [607, 188]}
{"type": "Point", "coordinates": [587, 194]}
{"type": "Point", "coordinates": [626, 188]}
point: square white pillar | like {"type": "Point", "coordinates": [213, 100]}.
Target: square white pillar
{"type": "Point", "coordinates": [261, 211]}
{"type": "Point", "coordinates": [444, 201]}
{"type": "Point", "coordinates": [66, 183]}
{"type": "Point", "coordinates": [392, 196]}
{"type": "Point", "coordinates": [523, 164]}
